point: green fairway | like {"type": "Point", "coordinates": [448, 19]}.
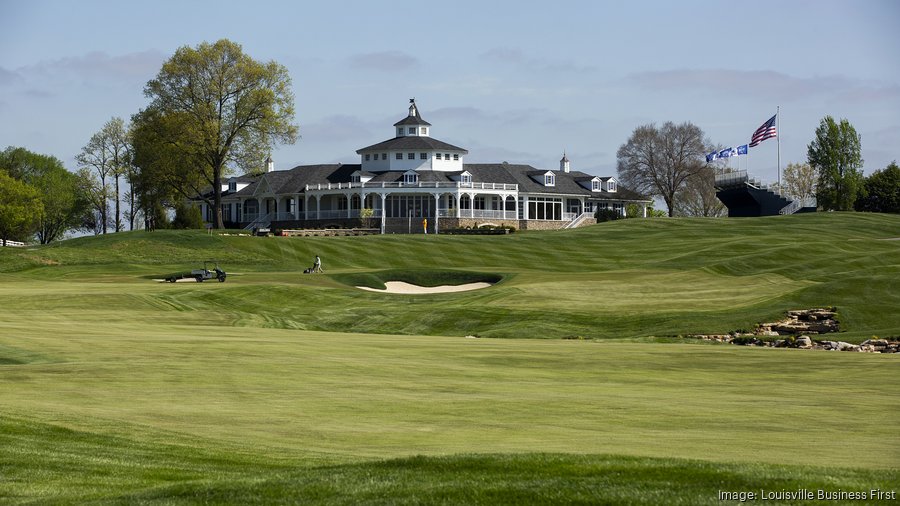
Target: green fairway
{"type": "Point", "coordinates": [277, 386]}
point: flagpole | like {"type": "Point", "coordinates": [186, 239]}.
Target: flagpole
{"type": "Point", "coordinates": [778, 139]}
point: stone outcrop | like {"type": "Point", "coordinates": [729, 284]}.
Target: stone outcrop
{"type": "Point", "coordinates": [802, 321]}
{"type": "Point", "coordinates": [797, 327]}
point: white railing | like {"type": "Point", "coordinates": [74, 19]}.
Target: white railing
{"type": "Point", "coordinates": [477, 213]}
{"type": "Point", "coordinates": [13, 244]}
{"type": "Point", "coordinates": [578, 219]}
{"type": "Point", "coordinates": [732, 178]}
{"type": "Point", "coordinates": [262, 221]}
{"type": "Point", "coordinates": [798, 204]}
{"type": "Point", "coordinates": [421, 184]}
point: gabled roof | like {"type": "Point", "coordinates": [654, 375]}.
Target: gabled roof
{"type": "Point", "coordinates": [411, 143]}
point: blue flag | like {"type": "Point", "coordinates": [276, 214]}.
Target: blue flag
{"type": "Point", "coordinates": [712, 157]}
{"type": "Point", "coordinates": [725, 153]}
{"type": "Point", "coordinates": [742, 150]}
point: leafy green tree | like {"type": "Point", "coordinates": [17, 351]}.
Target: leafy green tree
{"type": "Point", "coordinates": [20, 209]}
{"type": "Point", "coordinates": [882, 189]}
{"type": "Point", "coordinates": [836, 154]}
{"type": "Point", "coordinates": [163, 176]}
{"type": "Point", "coordinates": [218, 109]}
{"type": "Point", "coordinates": [187, 216]}
{"type": "Point", "coordinates": [63, 203]}
{"type": "Point", "coordinates": [662, 161]}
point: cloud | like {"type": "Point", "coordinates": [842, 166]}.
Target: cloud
{"type": "Point", "coordinates": [467, 114]}
{"type": "Point", "coordinates": [8, 77]}
{"type": "Point", "coordinates": [385, 61]}
{"type": "Point", "coordinates": [38, 93]}
{"type": "Point", "coordinates": [337, 127]}
{"type": "Point", "coordinates": [764, 84]}
{"type": "Point", "coordinates": [99, 65]}
{"type": "Point", "coordinates": [518, 59]}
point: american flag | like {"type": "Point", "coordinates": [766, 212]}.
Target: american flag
{"type": "Point", "coordinates": [766, 131]}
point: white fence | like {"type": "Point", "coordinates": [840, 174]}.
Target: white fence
{"type": "Point", "coordinates": [423, 184]}
{"type": "Point", "coordinates": [13, 244]}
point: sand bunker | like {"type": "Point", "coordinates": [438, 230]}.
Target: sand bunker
{"type": "Point", "coordinates": [406, 288]}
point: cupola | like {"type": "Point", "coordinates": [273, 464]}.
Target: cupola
{"type": "Point", "coordinates": [413, 124]}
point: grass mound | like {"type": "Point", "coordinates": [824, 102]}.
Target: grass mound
{"type": "Point", "coordinates": [419, 277]}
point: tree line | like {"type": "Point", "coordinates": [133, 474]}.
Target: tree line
{"type": "Point", "coordinates": [213, 110]}
{"type": "Point", "coordinates": [669, 163]}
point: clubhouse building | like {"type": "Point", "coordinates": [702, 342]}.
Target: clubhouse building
{"type": "Point", "coordinates": [413, 177]}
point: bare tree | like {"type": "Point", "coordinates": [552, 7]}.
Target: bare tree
{"type": "Point", "coordinates": [799, 180]}
{"type": "Point", "coordinates": [698, 197]}
{"type": "Point", "coordinates": [95, 155]}
{"type": "Point", "coordinates": [662, 161]}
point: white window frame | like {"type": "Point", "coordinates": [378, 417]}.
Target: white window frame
{"type": "Point", "coordinates": [549, 180]}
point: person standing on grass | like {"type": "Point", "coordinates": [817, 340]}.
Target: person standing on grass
{"type": "Point", "coordinates": [425, 225]}
{"type": "Point", "coordinates": [317, 266]}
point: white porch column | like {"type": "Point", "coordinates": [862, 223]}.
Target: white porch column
{"type": "Point", "coordinates": [624, 210]}
{"type": "Point", "coordinates": [437, 211]}
{"type": "Point", "coordinates": [297, 207]}
{"type": "Point", "coordinates": [306, 206]}
{"type": "Point", "coordinates": [525, 208]}
{"type": "Point", "coordinates": [472, 205]}
{"type": "Point", "coordinates": [458, 199]}
{"type": "Point", "coordinates": [318, 206]}
{"type": "Point", "coordinates": [349, 205]}
{"type": "Point", "coordinates": [645, 210]}
{"type": "Point", "coordinates": [383, 211]}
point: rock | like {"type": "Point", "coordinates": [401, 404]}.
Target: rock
{"type": "Point", "coordinates": [781, 343]}
{"type": "Point", "coordinates": [842, 346]}
{"type": "Point", "coordinates": [803, 342]}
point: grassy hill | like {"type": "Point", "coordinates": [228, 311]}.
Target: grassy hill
{"type": "Point", "coordinates": [278, 387]}
{"type": "Point", "coordinates": [627, 279]}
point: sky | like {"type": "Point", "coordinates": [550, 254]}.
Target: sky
{"type": "Point", "coordinates": [517, 81]}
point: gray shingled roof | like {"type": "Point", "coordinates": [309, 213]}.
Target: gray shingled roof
{"type": "Point", "coordinates": [412, 120]}
{"type": "Point", "coordinates": [411, 143]}
{"type": "Point", "coordinates": [294, 180]}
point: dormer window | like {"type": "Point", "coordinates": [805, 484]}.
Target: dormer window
{"type": "Point", "coordinates": [549, 180]}
{"type": "Point", "coordinates": [232, 186]}
{"type": "Point", "coordinates": [410, 178]}
{"type": "Point", "coordinates": [355, 178]}
{"type": "Point", "coordinates": [596, 185]}
{"type": "Point", "coordinates": [611, 186]}
{"type": "Point", "coordinates": [466, 178]}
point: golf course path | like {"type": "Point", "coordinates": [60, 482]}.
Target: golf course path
{"type": "Point", "coordinates": [410, 289]}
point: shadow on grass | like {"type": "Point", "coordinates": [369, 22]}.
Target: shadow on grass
{"type": "Point", "coordinates": [420, 277]}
